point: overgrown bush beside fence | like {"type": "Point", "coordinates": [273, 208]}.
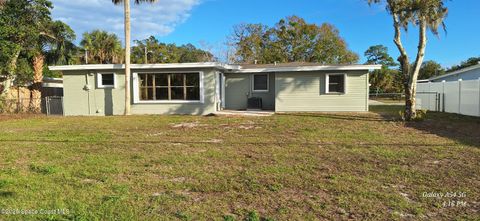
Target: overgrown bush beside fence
{"type": "Point", "coordinates": [19, 100]}
{"type": "Point", "coordinates": [11, 106]}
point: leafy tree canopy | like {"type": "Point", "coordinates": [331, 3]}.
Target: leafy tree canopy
{"type": "Point", "coordinates": [27, 31]}
{"type": "Point", "coordinates": [102, 47]}
{"type": "Point", "coordinates": [385, 80]}
{"type": "Point", "coordinates": [158, 52]}
{"type": "Point", "coordinates": [378, 54]}
{"type": "Point", "coordinates": [430, 69]}
{"type": "Point", "coordinates": [469, 62]}
{"type": "Point", "coordinates": [22, 23]}
{"type": "Point", "coordinates": [290, 40]}
{"type": "Point", "coordinates": [61, 50]}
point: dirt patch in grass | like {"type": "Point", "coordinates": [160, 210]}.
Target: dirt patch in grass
{"type": "Point", "coordinates": [186, 125]}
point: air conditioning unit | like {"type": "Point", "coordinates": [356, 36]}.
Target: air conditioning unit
{"type": "Point", "coordinates": [254, 103]}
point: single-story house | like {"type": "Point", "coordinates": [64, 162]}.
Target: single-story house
{"type": "Point", "coordinates": [464, 74]}
{"type": "Point", "coordinates": [204, 88]}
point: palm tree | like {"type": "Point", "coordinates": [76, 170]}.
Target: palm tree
{"type": "Point", "coordinates": [126, 4]}
{"type": "Point", "coordinates": [427, 15]}
{"type": "Point", "coordinates": [51, 40]}
{"type": "Point", "coordinates": [103, 48]}
{"type": "Point", "coordinates": [62, 50]}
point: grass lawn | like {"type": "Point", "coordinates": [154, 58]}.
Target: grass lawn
{"type": "Point", "coordinates": [283, 167]}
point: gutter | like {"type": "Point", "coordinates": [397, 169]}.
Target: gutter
{"type": "Point", "coordinates": [473, 67]}
{"type": "Point", "coordinates": [221, 66]}
{"type": "Point", "coordinates": [309, 68]}
{"type": "Point", "coordinates": [142, 66]}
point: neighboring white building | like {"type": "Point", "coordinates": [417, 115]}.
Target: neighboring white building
{"type": "Point", "coordinates": [454, 92]}
{"type": "Point", "coordinates": [465, 74]}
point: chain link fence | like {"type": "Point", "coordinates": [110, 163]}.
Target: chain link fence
{"type": "Point", "coordinates": [48, 105]}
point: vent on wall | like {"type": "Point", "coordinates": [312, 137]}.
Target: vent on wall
{"type": "Point", "coordinates": [254, 103]}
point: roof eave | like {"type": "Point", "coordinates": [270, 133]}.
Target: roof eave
{"type": "Point", "coordinates": [309, 68]}
{"type": "Point", "coordinates": [141, 66]}
{"type": "Point", "coordinates": [217, 65]}
{"type": "Point", "coordinates": [473, 67]}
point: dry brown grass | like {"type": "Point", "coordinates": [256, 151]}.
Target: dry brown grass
{"type": "Point", "coordinates": [285, 167]}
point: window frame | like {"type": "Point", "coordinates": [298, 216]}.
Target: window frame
{"type": "Point", "coordinates": [100, 78]}
{"type": "Point", "coordinates": [327, 83]}
{"type": "Point", "coordinates": [136, 87]}
{"type": "Point", "coordinates": [253, 83]}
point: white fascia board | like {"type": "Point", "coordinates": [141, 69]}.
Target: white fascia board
{"type": "Point", "coordinates": [456, 72]}
{"type": "Point", "coordinates": [52, 79]}
{"type": "Point", "coordinates": [142, 66]}
{"type": "Point", "coordinates": [226, 67]}
{"type": "Point", "coordinates": [423, 81]}
{"type": "Point", "coordinates": [86, 67]}
{"type": "Point", "coordinates": [55, 85]}
{"type": "Point", "coordinates": [310, 68]}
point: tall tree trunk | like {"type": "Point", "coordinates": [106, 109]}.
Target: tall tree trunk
{"type": "Point", "coordinates": [36, 96]}
{"type": "Point", "coordinates": [404, 67]}
{"type": "Point", "coordinates": [127, 56]}
{"type": "Point", "coordinates": [410, 112]}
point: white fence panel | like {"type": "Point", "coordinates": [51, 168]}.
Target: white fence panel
{"type": "Point", "coordinates": [426, 101]}
{"type": "Point", "coordinates": [469, 98]}
{"type": "Point", "coordinates": [439, 103]}
{"type": "Point", "coordinates": [462, 97]}
{"type": "Point", "coordinates": [423, 87]}
{"type": "Point", "coordinates": [451, 97]}
{"type": "Point", "coordinates": [421, 99]}
{"type": "Point", "coordinates": [426, 98]}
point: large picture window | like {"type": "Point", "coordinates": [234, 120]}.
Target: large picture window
{"type": "Point", "coordinates": [335, 83]}
{"type": "Point", "coordinates": [169, 86]}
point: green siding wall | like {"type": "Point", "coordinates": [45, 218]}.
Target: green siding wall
{"type": "Point", "coordinates": [238, 88]}
{"type": "Point", "coordinates": [106, 101]}
{"type": "Point", "coordinates": [97, 101]}
{"type": "Point", "coordinates": [305, 91]}
{"type": "Point", "coordinates": [293, 91]}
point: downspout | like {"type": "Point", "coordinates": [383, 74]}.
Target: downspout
{"type": "Point", "coordinates": [368, 92]}
{"type": "Point", "coordinates": [87, 88]}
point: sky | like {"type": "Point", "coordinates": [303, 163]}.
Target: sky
{"type": "Point", "coordinates": [208, 23]}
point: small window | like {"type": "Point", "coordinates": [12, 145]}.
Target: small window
{"type": "Point", "coordinates": [260, 82]}
{"type": "Point", "coordinates": [335, 83]}
{"type": "Point", "coordinates": [105, 80]}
